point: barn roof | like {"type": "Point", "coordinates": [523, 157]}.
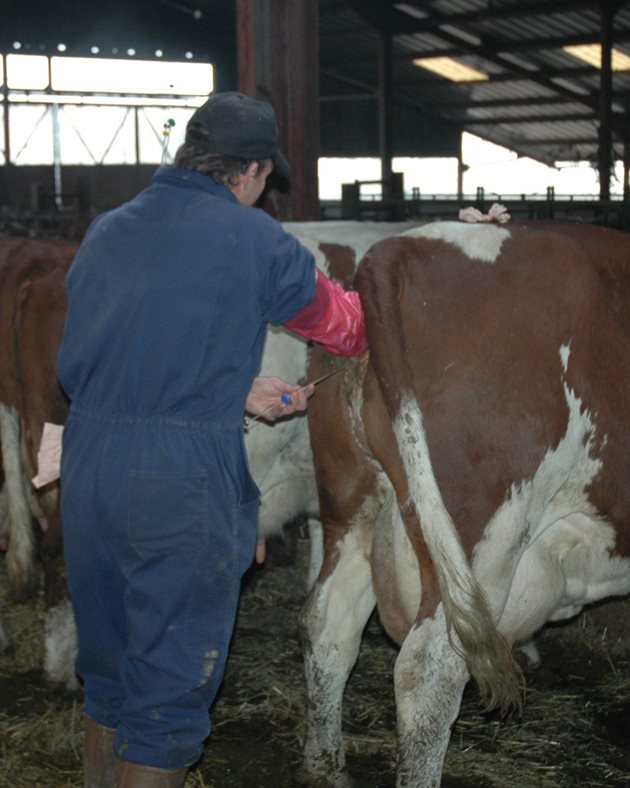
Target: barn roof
{"type": "Point", "coordinates": [537, 99]}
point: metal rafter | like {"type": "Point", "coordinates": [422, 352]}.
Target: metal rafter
{"type": "Point", "coordinates": [404, 23]}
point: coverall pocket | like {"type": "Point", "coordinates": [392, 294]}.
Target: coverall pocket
{"type": "Point", "coordinates": [168, 513]}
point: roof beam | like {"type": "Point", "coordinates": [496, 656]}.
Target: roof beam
{"type": "Point", "coordinates": [514, 102]}
{"type": "Point", "coordinates": [525, 45]}
{"type": "Point", "coordinates": [377, 13]}
{"type": "Point", "coordinates": [561, 142]}
{"type": "Point", "coordinates": [404, 23]}
{"type": "Point", "coordinates": [495, 120]}
{"type": "Point", "coordinates": [492, 53]}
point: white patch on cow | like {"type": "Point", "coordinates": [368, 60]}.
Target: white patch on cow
{"type": "Point", "coordinates": [546, 553]}
{"type": "Point", "coordinates": [565, 351]}
{"type": "Point", "coordinates": [389, 528]}
{"type": "Point", "coordinates": [407, 575]}
{"type": "Point", "coordinates": [472, 628]}
{"type": "Point", "coordinates": [20, 552]}
{"type": "Point", "coordinates": [429, 679]}
{"type": "Point", "coordinates": [530, 651]}
{"type": "Point", "coordinates": [316, 550]}
{"type": "Point", "coordinates": [60, 645]}
{"type": "Point", "coordinates": [437, 526]}
{"type": "Point", "coordinates": [333, 621]}
{"type": "Point", "coordinates": [359, 236]}
{"type": "Point", "coordinates": [394, 557]}
{"type": "Point", "coordinates": [477, 241]}
{"type": "Point", "coordinates": [354, 554]}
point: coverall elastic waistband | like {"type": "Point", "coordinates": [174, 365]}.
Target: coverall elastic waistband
{"type": "Point", "coordinates": [152, 421]}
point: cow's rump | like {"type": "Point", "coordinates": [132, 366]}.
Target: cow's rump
{"type": "Point", "coordinates": [472, 473]}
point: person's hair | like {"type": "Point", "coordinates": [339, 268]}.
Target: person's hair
{"type": "Point", "coordinates": [222, 169]}
{"type": "Point", "coordinates": [193, 155]}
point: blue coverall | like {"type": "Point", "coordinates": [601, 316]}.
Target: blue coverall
{"type": "Point", "coordinates": [168, 301]}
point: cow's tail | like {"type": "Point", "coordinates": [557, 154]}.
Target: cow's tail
{"type": "Point", "coordinates": [472, 629]}
{"type": "Point", "coordinates": [21, 543]}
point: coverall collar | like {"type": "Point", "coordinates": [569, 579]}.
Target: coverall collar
{"type": "Point", "coordinates": [177, 176]}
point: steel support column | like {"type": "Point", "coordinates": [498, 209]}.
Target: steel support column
{"type": "Point", "coordinates": [385, 118]}
{"type": "Point", "coordinates": [5, 104]}
{"type": "Point", "coordinates": [605, 101]}
{"type": "Point", "coordinates": [278, 59]}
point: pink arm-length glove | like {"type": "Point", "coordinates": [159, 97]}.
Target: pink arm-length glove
{"type": "Point", "coordinates": [334, 319]}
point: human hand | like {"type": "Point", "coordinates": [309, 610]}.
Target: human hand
{"type": "Point", "coordinates": [272, 398]}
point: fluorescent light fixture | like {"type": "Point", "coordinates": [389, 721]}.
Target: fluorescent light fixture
{"type": "Point", "coordinates": [592, 54]}
{"type": "Point", "coordinates": [450, 69]}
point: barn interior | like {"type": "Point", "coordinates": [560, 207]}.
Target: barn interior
{"type": "Point", "coordinates": [342, 76]}
{"type": "Point", "coordinates": [547, 80]}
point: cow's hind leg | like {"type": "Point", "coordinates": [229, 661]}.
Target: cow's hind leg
{"type": "Point", "coordinates": [429, 680]}
{"type": "Point", "coordinates": [331, 627]}
{"type": "Point", "coordinates": [21, 540]}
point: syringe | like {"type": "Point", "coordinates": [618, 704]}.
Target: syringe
{"type": "Point", "coordinates": [285, 399]}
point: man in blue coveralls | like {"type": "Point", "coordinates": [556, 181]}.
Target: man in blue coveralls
{"type": "Point", "coordinates": [169, 298]}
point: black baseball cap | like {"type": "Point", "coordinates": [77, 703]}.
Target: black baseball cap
{"type": "Point", "coordinates": [238, 126]}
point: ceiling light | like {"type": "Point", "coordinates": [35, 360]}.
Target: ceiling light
{"type": "Point", "coordinates": [94, 50]}
{"type": "Point", "coordinates": [61, 47]}
{"type": "Point", "coordinates": [592, 54]}
{"type": "Point", "coordinates": [450, 69]}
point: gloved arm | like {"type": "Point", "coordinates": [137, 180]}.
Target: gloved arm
{"type": "Point", "coordinates": [334, 319]}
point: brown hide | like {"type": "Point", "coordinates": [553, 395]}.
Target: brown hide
{"type": "Point", "coordinates": [478, 345]}
{"type": "Point", "coordinates": [22, 261]}
{"type": "Point", "coordinates": [39, 321]}
{"type": "Point", "coordinates": [32, 311]}
{"type": "Point", "coordinates": [481, 344]}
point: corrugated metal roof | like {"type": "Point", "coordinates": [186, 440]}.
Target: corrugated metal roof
{"type": "Point", "coordinates": [538, 99]}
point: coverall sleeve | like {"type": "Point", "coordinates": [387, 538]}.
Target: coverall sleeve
{"type": "Point", "coordinates": [334, 319]}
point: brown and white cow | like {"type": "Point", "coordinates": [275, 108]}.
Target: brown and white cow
{"type": "Point", "coordinates": [280, 458]}
{"type": "Point", "coordinates": [279, 454]}
{"type": "Point", "coordinates": [473, 473]}
{"type": "Point", "coordinates": [32, 298]}
{"type": "Point", "coordinates": [21, 261]}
